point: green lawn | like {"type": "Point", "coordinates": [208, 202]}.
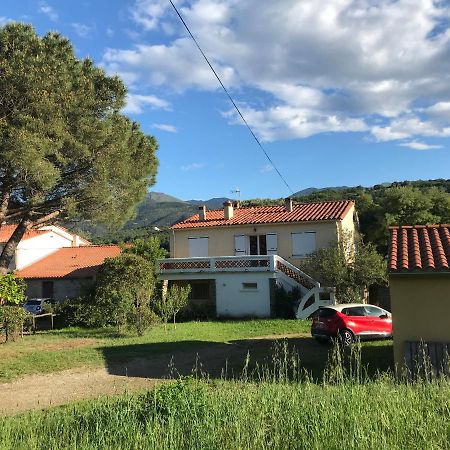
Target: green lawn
{"type": "Point", "coordinates": [74, 347]}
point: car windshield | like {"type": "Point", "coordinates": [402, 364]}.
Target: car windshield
{"type": "Point", "coordinates": [33, 303]}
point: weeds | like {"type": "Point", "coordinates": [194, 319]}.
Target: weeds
{"type": "Point", "coordinates": [273, 406]}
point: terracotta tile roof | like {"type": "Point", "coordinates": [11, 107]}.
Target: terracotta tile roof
{"type": "Point", "coordinates": [302, 212]}
{"type": "Point", "coordinates": [419, 248]}
{"type": "Point", "coordinates": [70, 262]}
{"type": "Point", "coordinates": [6, 232]}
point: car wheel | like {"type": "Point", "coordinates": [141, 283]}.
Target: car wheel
{"type": "Point", "coordinates": [346, 338]}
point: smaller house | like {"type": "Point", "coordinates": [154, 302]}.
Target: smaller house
{"type": "Point", "coordinates": [38, 243]}
{"type": "Point", "coordinates": [66, 271]}
{"type": "Point", "coordinates": [419, 278]}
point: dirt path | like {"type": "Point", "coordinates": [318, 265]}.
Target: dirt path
{"type": "Point", "coordinates": [45, 390]}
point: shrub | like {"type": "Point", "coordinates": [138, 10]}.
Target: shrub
{"type": "Point", "coordinates": [12, 289]}
{"type": "Point", "coordinates": [123, 284]}
{"type": "Point", "coordinates": [141, 318]}
{"type": "Point", "coordinates": [176, 298]}
{"type": "Point", "coordinates": [285, 302]}
{"type": "Point", "coordinates": [12, 319]}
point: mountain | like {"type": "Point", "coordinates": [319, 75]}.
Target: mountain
{"type": "Point", "coordinates": [311, 190]}
{"type": "Point", "coordinates": [212, 203]}
{"type": "Point", "coordinates": [161, 197]}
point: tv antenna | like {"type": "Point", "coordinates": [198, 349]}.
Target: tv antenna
{"type": "Point", "coordinates": [238, 192]}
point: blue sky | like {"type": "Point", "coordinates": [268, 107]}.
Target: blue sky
{"type": "Point", "coordinates": [342, 92]}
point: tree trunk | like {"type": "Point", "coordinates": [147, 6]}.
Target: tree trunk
{"type": "Point", "coordinates": [10, 247]}
{"type": "Point", "coordinates": [4, 202]}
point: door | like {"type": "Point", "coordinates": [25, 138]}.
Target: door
{"type": "Point", "coordinates": [358, 320]}
{"type": "Point", "coordinates": [381, 322]}
{"type": "Point", "coordinates": [47, 289]}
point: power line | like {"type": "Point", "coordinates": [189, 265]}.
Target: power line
{"type": "Point", "coordinates": [231, 99]}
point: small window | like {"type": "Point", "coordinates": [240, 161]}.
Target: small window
{"type": "Point", "coordinates": [355, 311]}
{"type": "Point", "coordinates": [250, 286]}
{"type": "Point", "coordinates": [373, 311]}
{"type": "Point", "coordinates": [199, 291]}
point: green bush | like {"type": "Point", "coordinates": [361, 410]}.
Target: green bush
{"type": "Point", "coordinates": [141, 318]}
{"type": "Point", "coordinates": [74, 312]}
{"type": "Point", "coordinates": [12, 319]}
{"type": "Point", "coordinates": [285, 302]}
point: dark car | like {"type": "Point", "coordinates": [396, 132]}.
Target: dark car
{"type": "Point", "coordinates": [351, 321]}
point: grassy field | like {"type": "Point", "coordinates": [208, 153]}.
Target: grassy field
{"type": "Point", "coordinates": [280, 409]}
{"type": "Point", "coordinates": [48, 352]}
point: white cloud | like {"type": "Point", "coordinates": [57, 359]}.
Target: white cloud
{"type": "Point", "coordinates": [419, 145]}
{"type": "Point", "coordinates": [193, 166]}
{"type": "Point", "coordinates": [81, 29]}
{"type": "Point", "coordinates": [165, 127]}
{"type": "Point", "coordinates": [136, 104]}
{"type": "Point", "coordinates": [266, 168]}
{"type": "Point", "coordinates": [338, 66]}
{"type": "Point", "coordinates": [5, 20]}
{"type": "Point", "coordinates": [49, 11]}
{"type": "Point", "coordinates": [109, 32]}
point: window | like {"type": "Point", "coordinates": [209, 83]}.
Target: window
{"type": "Point", "coordinates": [250, 286]}
{"type": "Point", "coordinates": [199, 290]}
{"type": "Point", "coordinates": [373, 311]}
{"type": "Point", "coordinates": [355, 311]}
{"type": "Point", "coordinates": [257, 244]}
{"type": "Point", "coordinates": [326, 312]}
{"type": "Point", "coordinates": [303, 243]}
{"type": "Point", "coordinates": [198, 247]}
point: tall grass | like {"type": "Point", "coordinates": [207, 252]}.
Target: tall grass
{"type": "Point", "coordinates": [270, 407]}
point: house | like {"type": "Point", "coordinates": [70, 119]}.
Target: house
{"type": "Point", "coordinates": [65, 272]}
{"type": "Point", "coordinates": [235, 257]}
{"type": "Point", "coordinates": [419, 278]}
{"type": "Point", "coordinates": [38, 243]}
{"type": "Point", "coordinates": [54, 262]}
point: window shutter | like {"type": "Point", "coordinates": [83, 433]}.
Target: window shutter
{"type": "Point", "coordinates": [272, 243]}
{"type": "Point", "coordinates": [304, 243]}
{"type": "Point", "coordinates": [198, 247]}
{"type": "Point", "coordinates": [240, 245]}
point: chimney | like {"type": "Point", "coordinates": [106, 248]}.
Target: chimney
{"type": "Point", "coordinates": [288, 204]}
{"type": "Point", "coordinates": [76, 241]}
{"type": "Point", "coordinates": [228, 210]}
{"type": "Point", "coordinates": [202, 212]}
{"type": "Point", "coordinates": [237, 204]}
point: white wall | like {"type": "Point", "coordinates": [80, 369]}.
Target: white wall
{"type": "Point", "coordinates": [38, 247]}
{"type": "Point", "coordinates": [232, 300]}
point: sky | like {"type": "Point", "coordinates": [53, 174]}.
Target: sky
{"type": "Point", "coordinates": [339, 92]}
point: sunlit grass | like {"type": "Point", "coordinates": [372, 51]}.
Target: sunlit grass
{"type": "Point", "coordinates": [269, 407]}
{"type": "Point", "coordinates": [68, 348]}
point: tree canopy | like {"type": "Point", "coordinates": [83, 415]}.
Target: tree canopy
{"type": "Point", "coordinates": [66, 151]}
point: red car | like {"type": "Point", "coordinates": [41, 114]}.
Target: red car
{"type": "Point", "coordinates": [350, 321]}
